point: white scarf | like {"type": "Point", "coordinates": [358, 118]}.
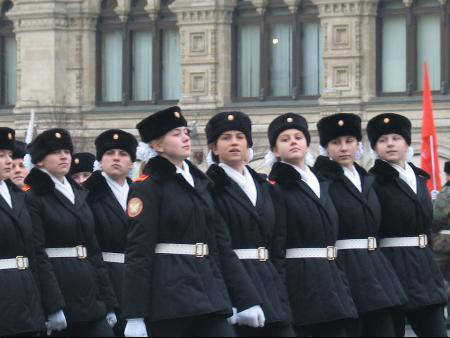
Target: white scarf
{"type": "Point", "coordinates": [186, 173]}
{"type": "Point", "coordinates": [309, 178]}
{"type": "Point", "coordinates": [407, 175]}
{"type": "Point", "coordinates": [4, 191]}
{"type": "Point", "coordinates": [119, 191]}
{"type": "Point", "coordinates": [64, 187]}
{"type": "Point", "coordinates": [353, 176]}
{"type": "Point", "coordinates": [244, 181]}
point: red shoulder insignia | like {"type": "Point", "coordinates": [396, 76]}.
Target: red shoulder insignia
{"type": "Point", "coordinates": [271, 182]}
{"type": "Point", "coordinates": [25, 188]}
{"type": "Point", "coordinates": [141, 179]}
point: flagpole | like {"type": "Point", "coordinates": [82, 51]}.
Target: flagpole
{"type": "Point", "coordinates": [432, 162]}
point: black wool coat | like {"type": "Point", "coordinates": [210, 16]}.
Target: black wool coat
{"type": "Point", "coordinates": [373, 281]}
{"type": "Point", "coordinates": [110, 225]}
{"type": "Point", "coordinates": [163, 286]}
{"type": "Point", "coordinates": [405, 214]}
{"type": "Point", "coordinates": [251, 227]}
{"type": "Point", "coordinates": [318, 289]}
{"type": "Point", "coordinates": [80, 286]}
{"type": "Point", "coordinates": [20, 300]}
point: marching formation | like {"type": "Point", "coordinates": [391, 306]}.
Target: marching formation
{"type": "Point", "coordinates": [314, 249]}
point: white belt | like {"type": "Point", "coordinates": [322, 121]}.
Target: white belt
{"type": "Point", "coordinates": [113, 257]}
{"type": "Point", "coordinates": [79, 252]}
{"type": "Point", "coordinates": [421, 241]}
{"type": "Point", "coordinates": [369, 244]}
{"type": "Point", "coordinates": [444, 232]}
{"type": "Point", "coordinates": [20, 263]}
{"type": "Point", "coordinates": [329, 253]}
{"type": "Point", "coordinates": [261, 254]}
{"type": "Point", "coordinates": [198, 250]}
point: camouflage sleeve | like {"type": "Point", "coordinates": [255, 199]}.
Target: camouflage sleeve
{"type": "Point", "coordinates": [441, 214]}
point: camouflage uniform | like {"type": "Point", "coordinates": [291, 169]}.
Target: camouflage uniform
{"type": "Point", "coordinates": [441, 221]}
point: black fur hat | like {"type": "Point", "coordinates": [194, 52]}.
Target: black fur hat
{"type": "Point", "coordinates": [7, 138]}
{"type": "Point", "coordinates": [161, 122]}
{"type": "Point", "coordinates": [342, 124]}
{"type": "Point", "coordinates": [49, 141]}
{"type": "Point", "coordinates": [285, 122]}
{"type": "Point", "coordinates": [226, 121]}
{"type": "Point", "coordinates": [116, 139]}
{"type": "Point", "coordinates": [388, 124]}
{"type": "Point", "coordinates": [20, 150]}
{"type": "Point", "coordinates": [82, 162]}
{"type": "Point", "coordinates": [447, 167]}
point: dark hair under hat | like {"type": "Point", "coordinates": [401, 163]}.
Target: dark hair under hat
{"type": "Point", "coordinates": [226, 121]}
{"type": "Point", "coordinates": [388, 123]}
{"type": "Point", "coordinates": [7, 138]}
{"type": "Point", "coordinates": [49, 141]}
{"type": "Point", "coordinates": [82, 162]}
{"type": "Point", "coordinates": [285, 122]}
{"type": "Point", "coordinates": [20, 150]}
{"type": "Point", "coordinates": [116, 139]}
{"type": "Point", "coordinates": [447, 167]}
{"type": "Point", "coordinates": [342, 124]}
{"type": "Point", "coordinates": [161, 122]}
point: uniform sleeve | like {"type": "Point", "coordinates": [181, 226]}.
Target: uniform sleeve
{"type": "Point", "coordinates": [142, 236]}
{"type": "Point", "coordinates": [52, 298]}
{"type": "Point", "coordinates": [278, 249]}
{"type": "Point", "coordinates": [242, 292]}
{"type": "Point", "coordinates": [441, 214]}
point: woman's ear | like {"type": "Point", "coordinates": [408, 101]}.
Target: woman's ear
{"type": "Point", "coordinates": [213, 148]}
{"type": "Point", "coordinates": [157, 145]}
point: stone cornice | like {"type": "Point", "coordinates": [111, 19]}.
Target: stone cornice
{"type": "Point", "coordinates": [216, 12]}
{"type": "Point", "coordinates": [340, 8]}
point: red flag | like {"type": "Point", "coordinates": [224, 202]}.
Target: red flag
{"type": "Point", "coordinates": [429, 153]}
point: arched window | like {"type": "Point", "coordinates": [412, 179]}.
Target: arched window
{"type": "Point", "coordinates": [409, 37]}
{"type": "Point", "coordinates": [277, 55]}
{"type": "Point", "coordinates": [8, 55]}
{"type": "Point", "coordinates": [138, 61]}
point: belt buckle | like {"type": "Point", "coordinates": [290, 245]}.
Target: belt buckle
{"type": "Point", "coordinates": [263, 254]}
{"type": "Point", "coordinates": [372, 244]}
{"type": "Point", "coordinates": [331, 253]}
{"type": "Point", "coordinates": [423, 241]}
{"type": "Point", "coordinates": [21, 263]}
{"type": "Point", "coordinates": [200, 250]}
{"type": "Point", "coordinates": [81, 252]}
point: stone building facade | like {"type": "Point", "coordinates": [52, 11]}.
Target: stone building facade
{"type": "Point", "coordinates": [66, 72]}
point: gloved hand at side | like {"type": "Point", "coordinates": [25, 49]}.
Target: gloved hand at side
{"type": "Point", "coordinates": [253, 317]}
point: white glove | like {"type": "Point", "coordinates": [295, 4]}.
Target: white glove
{"type": "Point", "coordinates": [233, 319]}
{"type": "Point", "coordinates": [111, 319]}
{"type": "Point", "coordinates": [135, 328]}
{"type": "Point", "coordinates": [253, 317]}
{"type": "Point", "coordinates": [434, 194]}
{"type": "Point", "coordinates": [56, 322]}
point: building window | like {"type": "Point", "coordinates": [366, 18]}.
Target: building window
{"type": "Point", "coordinates": [409, 37]}
{"type": "Point", "coordinates": [8, 55]}
{"type": "Point", "coordinates": [277, 55]}
{"type": "Point", "coordinates": [138, 61]}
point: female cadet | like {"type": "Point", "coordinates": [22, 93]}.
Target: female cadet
{"type": "Point", "coordinates": [73, 278]}
{"type": "Point", "coordinates": [406, 220]}
{"type": "Point", "coordinates": [108, 193]}
{"type": "Point", "coordinates": [178, 255]}
{"type": "Point", "coordinates": [19, 171]}
{"type": "Point", "coordinates": [244, 201]}
{"type": "Point", "coordinates": [318, 290]}
{"type": "Point", "coordinates": [375, 287]}
{"type": "Point", "coordinates": [82, 167]}
{"type": "Point", "coordinates": [21, 312]}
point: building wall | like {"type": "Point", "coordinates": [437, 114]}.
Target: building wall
{"type": "Point", "coordinates": [56, 71]}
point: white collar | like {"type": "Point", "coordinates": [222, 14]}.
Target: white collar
{"type": "Point", "coordinates": [119, 191]}
{"type": "Point", "coordinates": [186, 173]}
{"type": "Point", "coordinates": [407, 175]}
{"type": "Point", "coordinates": [309, 178]}
{"type": "Point", "coordinates": [4, 192]}
{"type": "Point", "coordinates": [244, 181]}
{"type": "Point", "coordinates": [353, 175]}
{"type": "Point", "coordinates": [63, 187]}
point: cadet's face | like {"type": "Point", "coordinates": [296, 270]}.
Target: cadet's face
{"type": "Point", "coordinates": [81, 177]}
{"type": "Point", "coordinates": [19, 172]}
{"type": "Point", "coordinates": [231, 148]}
{"type": "Point", "coordinates": [392, 148]}
{"type": "Point", "coordinates": [5, 164]}
{"type": "Point", "coordinates": [57, 163]}
{"type": "Point", "coordinates": [291, 146]}
{"type": "Point", "coordinates": [343, 150]}
{"type": "Point", "coordinates": [116, 163]}
{"type": "Point", "coordinates": [175, 145]}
